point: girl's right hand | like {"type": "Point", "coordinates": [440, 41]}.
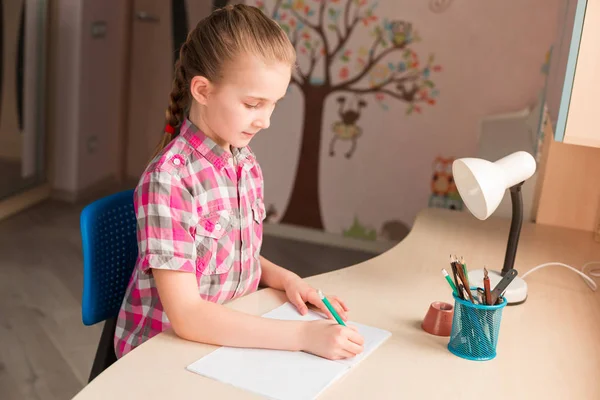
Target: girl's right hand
{"type": "Point", "coordinates": [328, 339]}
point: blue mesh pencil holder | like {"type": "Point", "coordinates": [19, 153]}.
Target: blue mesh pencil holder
{"type": "Point", "coordinates": [475, 329]}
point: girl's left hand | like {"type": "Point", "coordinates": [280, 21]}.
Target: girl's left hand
{"type": "Point", "coordinates": [299, 293]}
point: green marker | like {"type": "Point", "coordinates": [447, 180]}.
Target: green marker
{"type": "Point", "coordinates": [452, 285]}
{"type": "Point", "coordinates": [331, 309]}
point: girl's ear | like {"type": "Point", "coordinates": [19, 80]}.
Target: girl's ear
{"type": "Point", "coordinates": [200, 89]}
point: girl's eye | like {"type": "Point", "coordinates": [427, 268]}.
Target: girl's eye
{"type": "Point", "coordinates": [251, 105]}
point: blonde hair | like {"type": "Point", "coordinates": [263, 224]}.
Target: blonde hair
{"type": "Point", "coordinates": [217, 39]}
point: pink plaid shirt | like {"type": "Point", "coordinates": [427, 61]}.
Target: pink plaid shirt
{"type": "Point", "coordinates": [197, 212]}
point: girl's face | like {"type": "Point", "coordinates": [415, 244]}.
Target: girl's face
{"type": "Point", "coordinates": [241, 104]}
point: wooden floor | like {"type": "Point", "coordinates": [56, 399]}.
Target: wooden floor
{"type": "Point", "coordinates": [45, 350]}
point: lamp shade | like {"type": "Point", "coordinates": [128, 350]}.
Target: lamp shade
{"type": "Point", "coordinates": [481, 183]}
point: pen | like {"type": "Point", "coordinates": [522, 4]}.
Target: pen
{"type": "Point", "coordinates": [331, 309]}
{"type": "Point", "coordinates": [454, 289]}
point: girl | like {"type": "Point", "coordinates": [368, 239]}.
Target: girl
{"type": "Point", "coordinates": [199, 203]}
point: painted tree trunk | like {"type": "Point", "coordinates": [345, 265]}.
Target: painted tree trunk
{"type": "Point", "coordinates": [304, 207]}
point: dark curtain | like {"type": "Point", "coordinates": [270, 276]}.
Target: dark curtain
{"type": "Point", "coordinates": [180, 26]}
{"type": "Point", "coordinates": [20, 67]}
{"type": "Point", "coordinates": [219, 4]}
{"type": "Point", "coordinates": [1, 51]}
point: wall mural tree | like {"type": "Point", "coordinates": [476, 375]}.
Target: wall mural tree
{"type": "Point", "coordinates": [321, 31]}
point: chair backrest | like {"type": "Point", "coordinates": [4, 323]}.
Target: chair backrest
{"type": "Point", "coordinates": [108, 233]}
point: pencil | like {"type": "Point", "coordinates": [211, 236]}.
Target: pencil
{"type": "Point", "coordinates": [464, 267]}
{"type": "Point", "coordinates": [454, 289]}
{"type": "Point", "coordinates": [465, 284]}
{"type": "Point", "coordinates": [454, 273]}
{"type": "Point", "coordinates": [486, 287]}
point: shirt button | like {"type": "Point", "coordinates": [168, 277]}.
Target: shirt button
{"type": "Point", "coordinates": [218, 227]}
{"type": "Point", "coordinates": [176, 161]}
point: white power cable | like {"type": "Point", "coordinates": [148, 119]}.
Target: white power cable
{"type": "Point", "coordinates": [589, 281]}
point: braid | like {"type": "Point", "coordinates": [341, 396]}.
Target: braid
{"type": "Point", "coordinates": [178, 104]}
{"type": "Point", "coordinates": [179, 98]}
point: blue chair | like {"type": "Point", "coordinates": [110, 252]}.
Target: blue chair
{"type": "Point", "coordinates": [108, 233]}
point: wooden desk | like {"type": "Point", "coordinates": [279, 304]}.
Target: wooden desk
{"type": "Point", "coordinates": [549, 347]}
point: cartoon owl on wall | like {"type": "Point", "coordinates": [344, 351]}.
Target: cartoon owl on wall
{"type": "Point", "coordinates": [443, 189]}
{"type": "Point", "coordinates": [400, 32]}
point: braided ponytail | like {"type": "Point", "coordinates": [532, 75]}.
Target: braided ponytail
{"type": "Point", "coordinates": [179, 100]}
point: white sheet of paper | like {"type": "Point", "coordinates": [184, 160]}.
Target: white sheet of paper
{"type": "Point", "coordinates": [283, 375]}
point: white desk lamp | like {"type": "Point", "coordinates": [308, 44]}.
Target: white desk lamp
{"type": "Point", "coordinates": [481, 185]}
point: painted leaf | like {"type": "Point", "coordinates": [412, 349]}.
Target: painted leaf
{"type": "Point", "coordinates": [307, 45]}
{"type": "Point", "coordinates": [429, 83]}
{"type": "Point", "coordinates": [344, 72]}
{"type": "Point", "coordinates": [345, 58]}
{"type": "Point", "coordinates": [331, 27]}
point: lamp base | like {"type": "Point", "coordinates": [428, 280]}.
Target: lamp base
{"type": "Point", "coordinates": [516, 292]}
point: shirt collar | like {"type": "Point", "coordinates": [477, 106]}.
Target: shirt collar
{"type": "Point", "coordinates": [214, 153]}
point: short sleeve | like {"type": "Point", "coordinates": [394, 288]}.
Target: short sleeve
{"type": "Point", "coordinates": [165, 214]}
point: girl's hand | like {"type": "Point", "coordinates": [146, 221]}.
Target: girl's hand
{"type": "Point", "coordinates": [328, 339]}
{"type": "Point", "coordinates": [299, 293]}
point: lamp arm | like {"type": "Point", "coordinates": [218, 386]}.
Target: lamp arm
{"type": "Point", "coordinates": [515, 227]}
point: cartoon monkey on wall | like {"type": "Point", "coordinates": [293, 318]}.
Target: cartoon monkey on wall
{"type": "Point", "coordinates": [346, 129]}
